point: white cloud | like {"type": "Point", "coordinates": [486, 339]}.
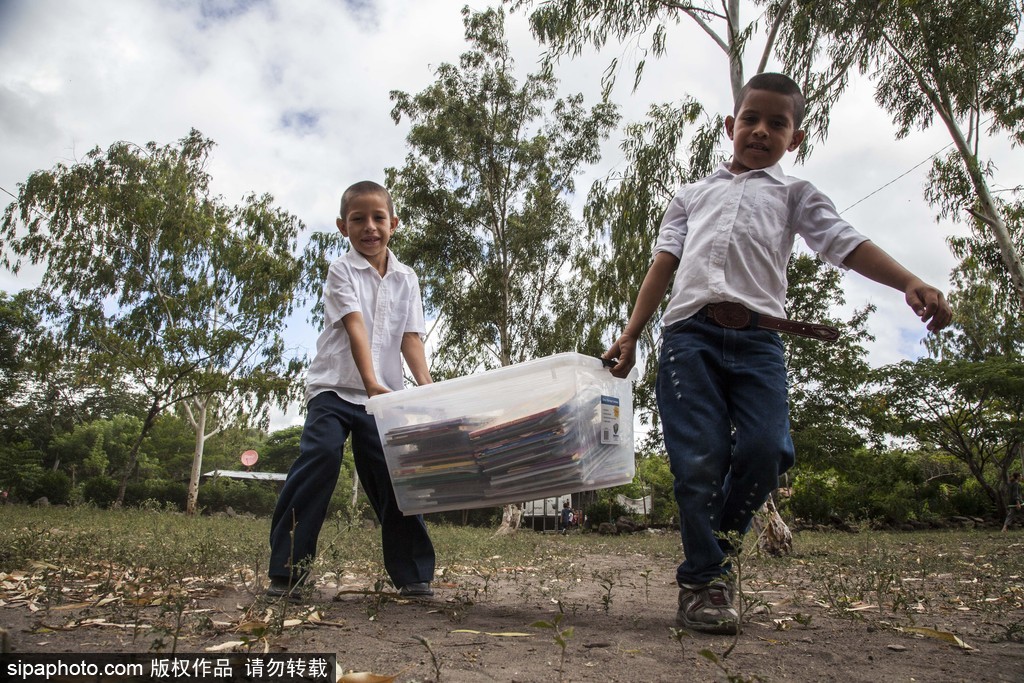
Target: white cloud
{"type": "Point", "coordinates": [296, 96]}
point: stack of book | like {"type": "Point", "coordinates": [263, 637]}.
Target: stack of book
{"type": "Point", "coordinates": [463, 461]}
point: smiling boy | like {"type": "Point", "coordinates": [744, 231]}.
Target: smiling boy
{"type": "Point", "coordinates": [724, 244]}
{"type": "Point", "coordinates": [373, 315]}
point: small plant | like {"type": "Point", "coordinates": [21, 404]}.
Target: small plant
{"type": "Point", "coordinates": [378, 597]}
{"type": "Point", "coordinates": [561, 636]}
{"type": "Point", "coordinates": [803, 619]}
{"type": "Point", "coordinates": [173, 604]}
{"type": "Point", "coordinates": [728, 675]}
{"type": "Point", "coordinates": [1014, 632]}
{"type": "Point", "coordinates": [458, 606]}
{"type": "Point", "coordinates": [607, 583]}
{"type": "Point", "coordinates": [433, 657]}
{"type": "Point", "coordinates": [646, 576]}
{"type": "Point", "coordinates": [677, 635]}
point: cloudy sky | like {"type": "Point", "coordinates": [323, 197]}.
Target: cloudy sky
{"type": "Point", "coordinates": [296, 96]}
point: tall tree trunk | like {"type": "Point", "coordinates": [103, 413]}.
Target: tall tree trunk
{"type": "Point", "coordinates": [192, 505]}
{"type": "Point", "coordinates": [133, 457]}
{"type": "Point", "coordinates": [987, 212]}
{"type": "Point", "coordinates": [355, 490]}
{"type": "Point", "coordinates": [511, 519]}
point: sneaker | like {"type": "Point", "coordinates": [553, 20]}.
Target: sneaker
{"type": "Point", "coordinates": [284, 588]}
{"type": "Point", "coordinates": [416, 590]}
{"type": "Point", "coordinates": [707, 608]}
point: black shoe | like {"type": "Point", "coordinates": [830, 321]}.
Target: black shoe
{"type": "Point", "coordinates": [416, 590]}
{"type": "Point", "coordinates": [284, 588]}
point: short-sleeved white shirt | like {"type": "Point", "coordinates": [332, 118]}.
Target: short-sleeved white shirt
{"type": "Point", "coordinates": [391, 306]}
{"type": "Point", "coordinates": [734, 233]}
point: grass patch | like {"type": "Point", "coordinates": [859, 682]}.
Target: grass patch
{"type": "Point", "coordinates": [894, 577]}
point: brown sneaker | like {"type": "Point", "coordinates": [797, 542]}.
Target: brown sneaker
{"type": "Point", "coordinates": [707, 608]}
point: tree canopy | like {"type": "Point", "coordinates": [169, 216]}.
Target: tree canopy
{"type": "Point", "coordinates": [152, 277]}
{"type": "Point", "coordinates": [484, 198]}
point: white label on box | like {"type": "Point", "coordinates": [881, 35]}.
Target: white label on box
{"type": "Point", "coordinates": [609, 420]}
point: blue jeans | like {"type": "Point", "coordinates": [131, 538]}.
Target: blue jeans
{"type": "Point", "coordinates": [722, 398]}
{"type": "Point", "coordinates": [306, 494]}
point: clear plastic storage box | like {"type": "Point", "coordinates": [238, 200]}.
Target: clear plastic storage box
{"type": "Point", "coordinates": [546, 427]}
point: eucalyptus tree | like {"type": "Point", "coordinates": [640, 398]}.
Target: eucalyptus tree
{"type": "Point", "coordinates": [956, 63]}
{"type": "Point", "coordinates": [484, 194]}
{"type": "Point", "coordinates": [484, 197]}
{"type": "Point", "coordinates": [160, 281]}
{"type": "Point", "coordinates": [17, 324]}
{"type": "Point", "coordinates": [748, 33]}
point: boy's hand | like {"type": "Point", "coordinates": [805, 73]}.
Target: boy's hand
{"type": "Point", "coordinates": [376, 389]}
{"type": "Point", "coordinates": [624, 349]}
{"type": "Point", "coordinates": [929, 304]}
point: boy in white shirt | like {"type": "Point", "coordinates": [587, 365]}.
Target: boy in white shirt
{"type": "Point", "coordinates": [725, 242]}
{"type": "Point", "coordinates": [373, 317]}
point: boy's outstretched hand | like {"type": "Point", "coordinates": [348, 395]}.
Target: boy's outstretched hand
{"type": "Point", "coordinates": [623, 351]}
{"type": "Point", "coordinates": [929, 304]}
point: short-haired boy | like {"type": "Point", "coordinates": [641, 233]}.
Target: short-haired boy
{"type": "Point", "coordinates": [721, 386]}
{"type": "Point", "coordinates": [373, 317]}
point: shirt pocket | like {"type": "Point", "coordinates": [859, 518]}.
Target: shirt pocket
{"type": "Point", "coordinates": [398, 315]}
{"type": "Point", "coordinates": [769, 225]}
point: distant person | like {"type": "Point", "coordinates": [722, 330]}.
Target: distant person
{"type": "Point", "coordinates": [726, 241]}
{"type": "Point", "coordinates": [1015, 500]}
{"type": "Point", "coordinates": [566, 517]}
{"type": "Point", "coordinates": [373, 317]}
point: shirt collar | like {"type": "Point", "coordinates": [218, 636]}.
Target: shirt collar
{"type": "Point", "coordinates": [774, 171]}
{"type": "Point", "coordinates": [358, 261]}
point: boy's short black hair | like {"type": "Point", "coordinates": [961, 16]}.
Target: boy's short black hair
{"type": "Point", "coordinates": [365, 187]}
{"type": "Point", "coordinates": [774, 82]}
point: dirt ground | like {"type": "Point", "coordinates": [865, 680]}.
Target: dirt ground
{"type": "Point", "coordinates": [484, 628]}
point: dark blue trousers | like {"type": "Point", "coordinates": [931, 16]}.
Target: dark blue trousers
{"type": "Point", "coordinates": [722, 397]}
{"type": "Point", "coordinates": [302, 505]}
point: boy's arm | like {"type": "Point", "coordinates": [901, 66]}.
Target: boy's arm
{"type": "Point", "coordinates": [360, 342]}
{"type": "Point", "coordinates": [652, 291]}
{"type": "Point", "coordinates": [928, 303]}
{"type": "Point", "coordinates": [416, 357]}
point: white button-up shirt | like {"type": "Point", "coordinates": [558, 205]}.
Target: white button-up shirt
{"type": "Point", "coordinates": [391, 306]}
{"type": "Point", "coordinates": [733, 235]}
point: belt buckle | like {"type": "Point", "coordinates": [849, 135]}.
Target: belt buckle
{"type": "Point", "coordinates": [730, 314]}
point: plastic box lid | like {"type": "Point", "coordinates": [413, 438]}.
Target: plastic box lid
{"type": "Point", "coordinates": [544, 427]}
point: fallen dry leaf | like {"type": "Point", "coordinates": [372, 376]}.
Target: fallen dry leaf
{"type": "Point", "coordinates": [940, 635]}
{"type": "Point", "coordinates": [252, 627]}
{"type": "Point", "coordinates": [506, 634]}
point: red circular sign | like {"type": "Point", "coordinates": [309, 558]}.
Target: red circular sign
{"type": "Point", "coordinates": [249, 458]}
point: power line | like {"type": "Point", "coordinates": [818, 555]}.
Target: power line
{"type": "Point", "coordinates": [905, 173]}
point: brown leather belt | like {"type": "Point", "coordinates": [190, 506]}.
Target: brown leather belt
{"type": "Point", "coordinates": [736, 316]}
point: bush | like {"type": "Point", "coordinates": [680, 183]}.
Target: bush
{"type": "Point", "coordinates": [101, 491]}
{"type": "Point", "coordinates": [218, 494]}
{"type": "Point", "coordinates": [606, 509]}
{"type": "Point", "coordinates": [55, 486]}
{"type": "Point", "coordinates": [487, 518]}
{"type": "Point", "coordinates": [819, 497]}
{"type": "Point", "coordinates": [968, 499]}
{"type": "Point", "coordinates": [163, 491]}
